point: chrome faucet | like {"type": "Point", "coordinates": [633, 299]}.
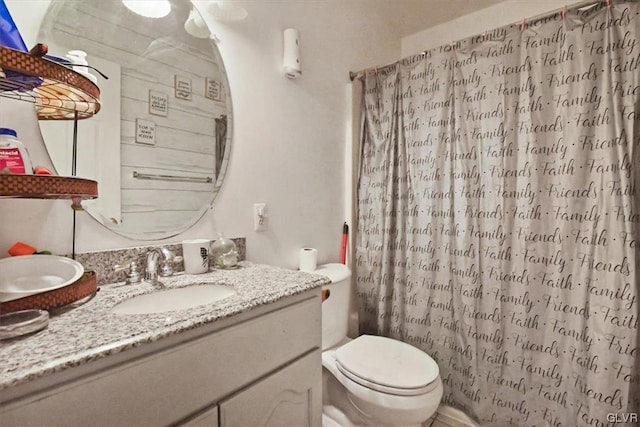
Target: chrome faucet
{"type": "Point", "coordinates": [158, 258]}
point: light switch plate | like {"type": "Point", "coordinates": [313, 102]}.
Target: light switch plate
{"type": "Point", "coordinates": [259, 217]}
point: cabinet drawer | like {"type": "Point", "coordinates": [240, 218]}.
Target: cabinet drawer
{"type": "Point", "coordinates": [166, 386]}
{"type": "Point", "coordinates": [292, 396]}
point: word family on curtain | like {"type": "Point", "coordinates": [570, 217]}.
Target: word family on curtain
{"type": "Point", "coordinates": [499, 217]}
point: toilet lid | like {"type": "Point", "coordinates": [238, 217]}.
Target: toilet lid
{"type": "Point", "coordinates": [387, 365]}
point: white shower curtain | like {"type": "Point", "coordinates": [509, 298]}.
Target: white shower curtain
{"type": "Point", "coordinates": [499, 217]}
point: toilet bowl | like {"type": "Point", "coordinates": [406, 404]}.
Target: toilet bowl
{"type": "Point", "coordinates": [385, 382]}
{"type": "Point", "coordinates": [371, 380]}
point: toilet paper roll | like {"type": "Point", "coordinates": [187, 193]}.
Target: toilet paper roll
{"type": "Point", "coordinates": [308, 259]}
{"type": "Point", "coordinates": [291, 57]}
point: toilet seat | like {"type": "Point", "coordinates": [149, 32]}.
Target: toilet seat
{"type": "Point", "coordinates": [373, 407]}
{"type": "Point", "coordinates": [388, 366]}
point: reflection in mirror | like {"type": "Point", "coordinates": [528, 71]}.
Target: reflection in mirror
{"type": "Point", "coordinates": [159, 147]}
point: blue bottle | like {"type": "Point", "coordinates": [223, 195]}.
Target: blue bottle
{"type": "Point", "coordinates": [9, 34]}
{"type": "Point", "coordinates": [10, 37]}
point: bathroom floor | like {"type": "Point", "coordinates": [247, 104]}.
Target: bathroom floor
{"type": "Point", "coordinates": [440, 422]}
{"type": "Point", "coordinates": [445, 417]}
{"type": "Point", "coordinates": [449, 417]}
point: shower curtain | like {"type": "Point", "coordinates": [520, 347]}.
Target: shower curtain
{"type": "Point", "coordinates": [499, 217]}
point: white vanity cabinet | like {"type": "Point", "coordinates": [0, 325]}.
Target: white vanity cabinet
{"type": "Point", "coordinates": [261, 367]}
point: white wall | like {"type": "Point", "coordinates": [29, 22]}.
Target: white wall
{"type": "Point", "coordinates": [288, 148]}
{"type": "Point", "coordinates": [505, 13]}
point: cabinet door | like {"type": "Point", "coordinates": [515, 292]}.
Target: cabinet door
{"type": "Point", "coordinates": [292, 396]}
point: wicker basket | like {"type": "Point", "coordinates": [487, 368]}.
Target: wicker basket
{"type": "Point", "coordinates": [47, 187]}
{"type": "Point", "coordinates": [81, 288]}
{"type": "Point", "coordinates": [59, 92]}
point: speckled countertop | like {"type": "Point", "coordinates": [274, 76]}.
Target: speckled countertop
{"type": "Point", "coordinates": [92, 331]}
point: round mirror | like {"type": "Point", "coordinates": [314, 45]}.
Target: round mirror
{"type": "Point", "coordinates": [159, 147]}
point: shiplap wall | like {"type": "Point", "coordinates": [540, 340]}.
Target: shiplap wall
{"type": "Point", "coordinates": [152, 52]}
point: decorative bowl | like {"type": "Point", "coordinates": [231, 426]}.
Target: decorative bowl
{"type": "Point", "coordinates": [26, 275]}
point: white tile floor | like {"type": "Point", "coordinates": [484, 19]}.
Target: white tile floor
{"type": "Point", "coordinates": [449, 417]}
{"type": "Point", "coordinates": [445, 417]}
{"type": "Point", "coordinates": [439, 423]}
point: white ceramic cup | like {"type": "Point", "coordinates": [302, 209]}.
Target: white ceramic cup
{"type": "Point", "coordinates": [196, 255]}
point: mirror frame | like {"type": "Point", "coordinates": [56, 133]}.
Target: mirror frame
{"type": "Point", "coordinates": [221, 162]}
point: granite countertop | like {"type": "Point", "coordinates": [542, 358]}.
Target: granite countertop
{"type": "Point", "coordinates": [91, 331]}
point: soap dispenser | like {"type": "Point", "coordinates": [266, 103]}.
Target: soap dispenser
{"type": "Point", "coordinates": [224, 253]}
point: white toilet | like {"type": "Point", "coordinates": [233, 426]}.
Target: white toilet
{"type": "Point", "coordinates": [370, 380]}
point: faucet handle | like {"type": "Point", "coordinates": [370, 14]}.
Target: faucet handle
{"type": "Point", "coordinates": [166, 265]}
{"type": "Point", "coordinates": [133, 273]}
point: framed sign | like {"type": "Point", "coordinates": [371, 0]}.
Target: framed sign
{"type": "Point", "coordinates": [158, 103]}
{"type": "Point", "coordinates": [183, 87]}
{"type": "Point", "coordinates": [145, 132]}
{"type": "Point", "coordinates": [213, 89]}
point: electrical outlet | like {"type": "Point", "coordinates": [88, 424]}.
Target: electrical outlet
{"type": "Point", "coordinates": [259, 216]}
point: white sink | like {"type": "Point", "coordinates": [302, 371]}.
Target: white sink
{"type": "Point", "coordinates": [174, 299]}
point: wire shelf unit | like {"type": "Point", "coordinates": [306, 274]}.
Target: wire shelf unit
{"type": "Point", "coordinates": [58, 92]}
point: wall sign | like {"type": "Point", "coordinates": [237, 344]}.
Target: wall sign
{"type": "Point", "coordinates": [145, 132]}
{"type": "Point", "coordinates": [213, 89]}
{"type": "Point", "coordinates": [183, 87]}
{"type": "Point", "coordinates": [158, 103]}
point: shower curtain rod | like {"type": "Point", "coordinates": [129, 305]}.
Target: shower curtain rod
{"type": "Point", "coordinates": [359, 74]}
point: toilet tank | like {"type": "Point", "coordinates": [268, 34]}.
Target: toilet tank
{"type": "Point", "coordinates": [335, 309]}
